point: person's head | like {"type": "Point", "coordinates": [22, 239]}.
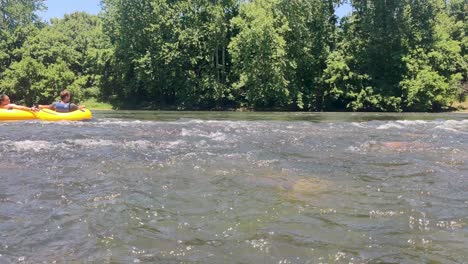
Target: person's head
{"type": "Point", "coordinates": [4, 99]}
{"type": "Point", "coordinates": [65, 96]}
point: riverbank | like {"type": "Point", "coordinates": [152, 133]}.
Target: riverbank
{"type": "Point", "coordinates": [92, 104]}
{"type": "Point", "coordinates": [461, 106]}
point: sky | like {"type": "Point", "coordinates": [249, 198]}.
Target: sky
{"type": "Point", "coordinates": [57, 8]}
{"type": "Point", "coordinates": [343, 10]}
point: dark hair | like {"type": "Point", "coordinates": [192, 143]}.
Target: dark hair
{"type": "Point", "coordinates": [64, 94]}
{"type": "Point", "coordinates": [2, 96]}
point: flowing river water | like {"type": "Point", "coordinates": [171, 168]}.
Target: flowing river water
{"type": "Point", "coordinates": [188, 187]}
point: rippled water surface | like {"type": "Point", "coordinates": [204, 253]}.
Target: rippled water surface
{"type": "Point", "coordinates": [182, 187]}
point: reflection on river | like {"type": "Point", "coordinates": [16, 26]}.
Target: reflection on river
{"type": "Point", "coordinates": [169, 187]}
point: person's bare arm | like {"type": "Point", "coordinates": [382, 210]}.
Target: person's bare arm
{"type": "Point", "coordinates": [74, 107]}
{"type": "Point", "coordinates": [20, 107]}
{"type": "Point", "coordinates": [51, 107]}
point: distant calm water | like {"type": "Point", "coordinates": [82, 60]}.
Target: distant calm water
{"type": "Point", "coordinates": [223, 187]}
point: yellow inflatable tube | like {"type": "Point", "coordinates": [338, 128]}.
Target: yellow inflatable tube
{"type": "Point", "coordinates": [14, 114]}
{"type": "Point", "coordinates": [51, 115]}
{"type": "Point", "coordinates": [44, 114]}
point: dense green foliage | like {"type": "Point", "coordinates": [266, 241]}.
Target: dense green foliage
{"type": "Point", "coordinates": [65, 54]}
{"type": "Point", "coordinates": [406, 55]}
{"type": "Point", "coordinates": [170, 52]}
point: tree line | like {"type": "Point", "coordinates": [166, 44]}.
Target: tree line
{"type": "Point", "coordinates": [295, 55]}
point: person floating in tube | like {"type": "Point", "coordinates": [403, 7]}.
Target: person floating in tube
{"type": "Point", "coordinates": [6, 104]}
{"type": "Point", "coordinates": [63, 106]}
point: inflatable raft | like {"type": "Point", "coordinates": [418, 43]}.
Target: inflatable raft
{"type": "Point", "coordinates": [14, 114]}
{"type": "Point", "coordinates": [44, 114]}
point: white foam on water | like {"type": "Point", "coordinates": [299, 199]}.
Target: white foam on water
{"type": "Point", "coordinates": [390, 125]}
{"type": "Point", "coordinates": [459, 127]}
{"type": "Point", "coordinates": [456, 131]}
{"type": "Point", "coordinates": [96, 143]}
{"type": "Point", "coordinates": [192, 121]}
{"type": "Point", "coordinates": [93, 142]}
{"type": "Point", "coordinates": [363, 147]}
{"type": "Point", "coordinates": [30, 145]}
{"type": "Point", "coordinates": [358, 124]}
{"type": "Point", "coordinates": [353, 149]}
{"type": "Point", "coordinates": [138, 144]}
{"type": "Point", "coordinates": [39, 145]}
{"type": "Point", "coordinates": [172, 144]}
{"type": "Point", "coordinates": [188, 133]}
{"type": "Point", "coordinates": [383, 214]}
{"type": "Point", "coordinates": [235, 156]}
{"type": "Point", "coordinates": [215, 136]}
{"type": "Point", "coordinates": [122, 122]}
{"type": "Point", "coordinates": [413, 122]}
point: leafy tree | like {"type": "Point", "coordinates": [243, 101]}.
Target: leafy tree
{"type": "Point", "coordinates": [309, 41]}
{"type": "Point", "coordinates": [65, 54]}
{"type": "Point", "coordinates": [259, 54]}
{"type": "Point", "coordinates": [18, 20]}
{"type": "Point", "coordinates": [434, 65]}
{"type": "Point", "coordinates": [407, 55]}
{"type": "Point", "coordinates": [386, 56]}
{"type": "Point", "coordinates": [173, 52]}
{"type": "Point", "coordinates": [368, 58]}
{"type": "Point", "coordinates": [393, 56]}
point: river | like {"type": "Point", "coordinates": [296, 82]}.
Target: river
{"type": "Point", "coordinates": [224, 187]}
